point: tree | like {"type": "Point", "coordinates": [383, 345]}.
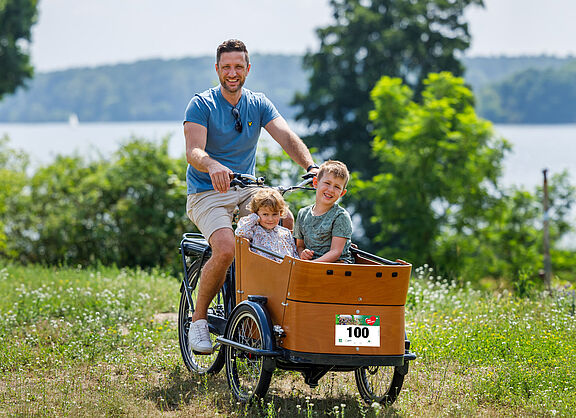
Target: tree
{"type": "Point", "coordinates": [439, 164]}
{"type": "Point", "coordinates": [532, 96]}
{"type": "Point", "coordinates": [13, 166]}
{"type": "Point", "coordinates": [369, 39]}
{"type": "Point", "coordinates": [505, 240]}
{"type": "Point", "coordinates": [145, 199]}
{"type": "Point", "coordinates": [16, 20]}
{"type": "Point", "coordinates": [127, 210]}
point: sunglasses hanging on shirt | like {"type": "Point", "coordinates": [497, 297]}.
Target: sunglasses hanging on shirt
{"type": "Point", "coordinates": [238, 125]}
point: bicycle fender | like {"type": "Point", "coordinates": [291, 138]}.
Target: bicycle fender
{"type": "Point", "coordinates": [268, 341]}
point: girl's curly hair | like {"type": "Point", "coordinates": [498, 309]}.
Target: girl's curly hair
{"type": "Point", "coordinates": [270, 198]}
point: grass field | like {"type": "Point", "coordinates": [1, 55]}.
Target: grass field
{"type": "Point", "coordinates": [78, 342]}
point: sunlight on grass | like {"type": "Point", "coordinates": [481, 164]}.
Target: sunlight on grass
{"type": "Point", "coordinates": [87, 342]}
{"type": "Point", "coordinates": [505, 350]}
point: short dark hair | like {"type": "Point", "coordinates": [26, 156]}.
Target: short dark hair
{"type": "Point", "coordinates": [232, 45]}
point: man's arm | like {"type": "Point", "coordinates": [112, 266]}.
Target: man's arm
{"type": "Point", "coordinates": [198, 158]}
{"type": "Point", "coordinates": [290, 142]}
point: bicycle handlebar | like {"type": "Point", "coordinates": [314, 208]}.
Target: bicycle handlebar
{"type": "Point", "coordinates": [248, 180]}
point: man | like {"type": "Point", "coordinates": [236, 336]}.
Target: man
{"type": "Point", "coordinates": [222, 127]}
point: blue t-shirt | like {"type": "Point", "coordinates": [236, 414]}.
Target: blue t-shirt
{"type": "Point", "coordinates": [235, 150]}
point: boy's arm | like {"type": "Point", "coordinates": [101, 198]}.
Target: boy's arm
{"type": "Point", "coordinates": [336, 248]}
{"type": "Point", "coordinates": [303, 252]}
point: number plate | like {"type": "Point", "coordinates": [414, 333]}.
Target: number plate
{"type": "Point", "coordinates": [358, 330]}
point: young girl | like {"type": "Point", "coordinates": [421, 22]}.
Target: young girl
{"type": "Point", "coordinates": [261, 226]}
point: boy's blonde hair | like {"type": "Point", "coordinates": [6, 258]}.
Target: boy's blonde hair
{"type": "Point", "coordinates": [336, 168]}
{"type": "Point", "coordinates": [270, 198]}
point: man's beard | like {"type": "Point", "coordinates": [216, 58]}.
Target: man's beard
{"type": "Point", "coordinates": [230, 90]}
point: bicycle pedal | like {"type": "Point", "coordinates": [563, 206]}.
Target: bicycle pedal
{"type": "Point", "coordinates": [198, 353]}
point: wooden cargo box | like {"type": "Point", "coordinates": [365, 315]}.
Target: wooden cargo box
{"type": "Point", "coordinates": [329, 308]}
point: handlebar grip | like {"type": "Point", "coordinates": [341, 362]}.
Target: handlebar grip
{"type": "Point", "coordinates": [244, 180]}
{"type": "Point", "coordinates": [308, 176]}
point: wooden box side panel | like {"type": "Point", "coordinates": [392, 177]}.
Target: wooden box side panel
{"type": "Point", "coordinates": [261, 276]}
{"type": "Point", "coordinates": [349, 283]}
{"type": "Point", "coordinates": [238, 270]}
{"type": "Point", "coordinates": [311, 328]}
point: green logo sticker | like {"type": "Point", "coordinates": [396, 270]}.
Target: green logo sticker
{"type": "Point", "coordinates": [367, 320]}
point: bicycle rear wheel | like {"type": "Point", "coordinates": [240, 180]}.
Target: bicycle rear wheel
{"type": "Point", "coordinates": [200, 363]}
{"type": "Point", "coordinates": [380, 384]}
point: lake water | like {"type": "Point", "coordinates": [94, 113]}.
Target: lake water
{"type": "Point", "coordinates": [535, 147]}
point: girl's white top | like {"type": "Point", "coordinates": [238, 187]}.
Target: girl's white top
{"type": "Point", "coordinates": [278, 239]}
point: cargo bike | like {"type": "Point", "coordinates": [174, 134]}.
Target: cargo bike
{"type": "Point", "coordinates": [299, 315]}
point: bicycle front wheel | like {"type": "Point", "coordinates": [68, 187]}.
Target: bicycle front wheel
{"type": "Point", "coordinates": [247, 375]}
{"type": "Point", "coordinates": [195, 362]}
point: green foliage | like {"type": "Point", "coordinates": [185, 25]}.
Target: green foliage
{"type": "Point", "coordinates": [481, 71]}
{"type": "Point", "coordinates": [87, 342]}
{"type": "Point", "coordinates": [532, 96]}
{"type": "Point", "coordinates": [437, 159]}
{"type": "Point", "coordinates": [126, 210]}
{"type": "Point", "coordinates": [438, 194]}
{"type": "Point", "coordinates": [506, 239]}
{"type": "Point", "coordinates": [12, 181]}
{"type": "Point", "coordinates": [437, 200]}
{"type": "Point", "coordinates": [146, 205]}
{"type": "Point", "coordinates": [367, 40]}
{"type": "Point", "coordinates": [507, 350]}
{"type": "Point", "coordinates": [16, 20]}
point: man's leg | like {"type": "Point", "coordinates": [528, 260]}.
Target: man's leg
{"type": "Point", "coordinates": [211, 280]}
{"type": "Point", "coordinates": [214, 272]}
{"type": "Point", "coordinates": [288, 220]}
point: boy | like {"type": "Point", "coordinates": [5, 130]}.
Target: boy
{"type": "Point", "coordinates": [323, 230]}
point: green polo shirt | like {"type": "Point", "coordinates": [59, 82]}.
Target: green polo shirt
{"type": "Point", "coordinates": [317, 231]}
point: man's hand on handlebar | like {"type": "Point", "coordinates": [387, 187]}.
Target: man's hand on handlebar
{"type": "Point", "coordinates": [246, 180]}
{"type": "Point", "coordinates": [220, 176]}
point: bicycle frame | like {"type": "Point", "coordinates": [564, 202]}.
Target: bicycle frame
{"type": "Point", "coordinates": [195, 245]}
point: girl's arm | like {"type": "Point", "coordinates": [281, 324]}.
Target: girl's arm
{"type": "Point", "coordinates": [292, 246]}
{"type": "Point", "coordinates": [247, 225]}
{"type": "Point", "coordinates": [336, 248]}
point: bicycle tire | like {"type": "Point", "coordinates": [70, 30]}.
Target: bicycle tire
{"type": "Point", "coordinates": [247, 375]}
{"type": "Point", "coordinates": [380, 384]}
{"type": "Point", "coordinates": [195, 362]}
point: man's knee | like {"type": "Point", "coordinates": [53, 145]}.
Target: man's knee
{"type": "Point", "coordinates": [222, 242]}
{"type": "Point", "coordinates": [288, 220]}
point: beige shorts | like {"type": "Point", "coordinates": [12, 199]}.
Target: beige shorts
{"type": "Point", "coordinates": [212, 210]}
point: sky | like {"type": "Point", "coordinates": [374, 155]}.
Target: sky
{"type": "Point", "coordinates": [77, 33]}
